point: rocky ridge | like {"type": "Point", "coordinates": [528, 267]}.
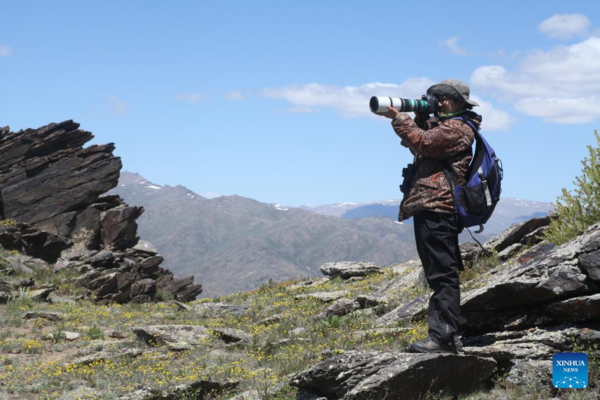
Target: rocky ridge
{"type": "Point", "coordinates": [538, 301]}
{"type": "Point", "coordinates": [53, 205]}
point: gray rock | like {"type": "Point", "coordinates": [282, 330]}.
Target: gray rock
{"type": "Point", "coordinates": [576, 309]}
{"type": "Point", "coordinates": [272, 320]}
{"type": "Point", "coordinates": [229, 335]}
{"type": "Point", "coordinates": [95, 357]}
{"type": "Point", "coordinates": [341, 307]}
{"type": "Point", "coordinates": [325, 297]}
{"type": "Point", "coordinates": [56, 299]}
{"type": "Point", "coordinates": [145, 246]}
{"type": "Point", "coordinates": [182, 306]}
{"type": "Point", "coordinates": [370, 301]}
{"type": "Point", "coordinates": [535, 237]}
{"type": "Point", "coordinates": [393, 375]}
{"type": "Point", "coordinates": [530, 373]}
{"type": "Point", "coordinates": [206, 310]}
{"type": "Point", "coordinates": [309, 283]}
{"type": "Point", "coordinates": [298, 331]}
{"type": "Point", "coordinates": [511, 251]}
{"type": "Point", "coordinates": [71, 335]}
{"type": "Point", "coordinates": [82, 392]}
{"type": "Point", "coordinates": [42, 293]}
{"type": "Point", "coordinates": [348, 269]}
{"type": "Point", "coordinates": [504, 351]}
{"type": "Point", "coordinates": [49, 315]}
{"type": "Point", "coordinates": [590, 263]}
{"type": "Point", "coordinates": [411, 311]}
{"type": "Point", "coordinates": [119, 229]}
{"type": "Point", "coordinates": [515, 233]}
{"type": "Point", "coordinates": [303, 395]}
{"type": "Point", "coordinates": [102, 259]}
{"type": "Point", "coordinates": [175, 335]}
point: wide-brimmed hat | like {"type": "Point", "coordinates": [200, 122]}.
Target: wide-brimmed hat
{"type": "Point", "coordinates": [452, 88]}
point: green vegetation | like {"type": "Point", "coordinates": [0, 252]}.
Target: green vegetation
{"type": "Point", "coordinates": [38, 361]}
{"type": "Point", "coordinates": [578, 210]}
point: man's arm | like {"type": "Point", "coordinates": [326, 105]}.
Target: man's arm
{"type": "Point", "coordinates": [443, 141]}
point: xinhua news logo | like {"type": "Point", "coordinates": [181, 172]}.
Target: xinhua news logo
{"type": "Point", "coordinates": [570, 370]}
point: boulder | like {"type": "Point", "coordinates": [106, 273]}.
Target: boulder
{"type": "Point", "coordinates": [576, 309]}
{"type": "Point", "coordinates": [348, 269]}
{"type": "Point", "coordinates": [207, 310]}
{"type": "Point", "coordinates": [394, 375]}
{"type": "Point", "coordinates": [119, 229]}
{"type": "Point", "coordinates": [516, 233]}
{"type": "Point", "coordinates": [370, 301]}
{"type": "Point", "coordinates": [590, 263]}
{"type": "Point", "coordinates": [229, 335]}
{"type": "Point", "coordinates": [49, 315]}
{"type": "Point", "coordinates": [530, 373]}
{"type": "Point", "coordinates": [325, 297]}
{"type": "Point", "coordinates": [511, 251]}
{"type": "Point", "coordinates": [538, 287]}
{"type": "Point", "coordinates": [165, 335]}
{"type": "Point", "coordinates": [310, 283]}
{"type": "Point", "coordinates": [82, 392]}
{"type": "Point", "coordinates": [411, 311]}
{"type": "Point", "coordinates": [342, 307]}
{"type": "Point", "coordinates": [53, 205]}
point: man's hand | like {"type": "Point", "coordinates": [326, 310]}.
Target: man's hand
{"type": "Point", "coordinates": [391, 114]}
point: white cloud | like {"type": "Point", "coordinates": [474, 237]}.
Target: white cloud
{"type": "Point", "coordinates": [348, 101]}
{"type": "Point", "coordinates": [493, 119]}
{"type": "Point", "coordinates": [452, 45]}
{"type": "Point", "coordinates": [353, 101]}
{"type": "Point", "coordinates": [117, 107]}
{"type": "Point", "coordinates": [560, 85]}
{"type": "Point", "coordinates": [191, 98]}
{"type": "Point", "coordinates": [235, 95]}
{"type": "Point", "coordinates": [5, 50]}
{"type": "Point", "coordinates": [566, 26]}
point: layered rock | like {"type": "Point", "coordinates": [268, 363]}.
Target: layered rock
{"type": "Point", "coordinates": [51, 199]}
{"type": "Point", "coordinates": [393, 375]}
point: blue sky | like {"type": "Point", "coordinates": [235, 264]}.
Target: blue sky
{"type": "Point", "coordinates": [269, 99]}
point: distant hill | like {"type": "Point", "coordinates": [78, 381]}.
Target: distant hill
{"type": "Point", "coordinates": [232, 243]}
{"type": "Point", "coordinates": [508, 211]}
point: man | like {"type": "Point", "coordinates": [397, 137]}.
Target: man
{"type": "Point", "coordinates": [441, 147]}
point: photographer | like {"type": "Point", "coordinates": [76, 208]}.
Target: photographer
{"type": "Point", "coordinates": [438, 144]}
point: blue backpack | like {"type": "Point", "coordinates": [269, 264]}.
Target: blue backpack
{"type": "Point", "coordinates": [475, 202]}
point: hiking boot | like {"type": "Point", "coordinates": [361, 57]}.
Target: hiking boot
{"type": "Point", "coordinates": [429, 345]}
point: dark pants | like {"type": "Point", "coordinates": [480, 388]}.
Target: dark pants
{"type": "Point", "coordinates": [436, 235]}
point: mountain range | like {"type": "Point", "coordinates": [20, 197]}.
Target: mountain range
{"type": "Point", "coordinates": [233, 243]}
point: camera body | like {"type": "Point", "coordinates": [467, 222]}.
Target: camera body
{"type": "Point", "coordinates": [427, 104]}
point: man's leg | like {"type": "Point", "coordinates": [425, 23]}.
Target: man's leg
{"type": "Point", "coordinates": [436, 236]}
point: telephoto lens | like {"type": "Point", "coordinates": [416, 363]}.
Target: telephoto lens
{"type": "Point", "coordinates": [379, 105]}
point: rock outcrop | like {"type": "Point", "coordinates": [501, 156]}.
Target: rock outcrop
{"type": "Point", "coordinates": [538, 301]}
{"type": "Point", "coordinates": [53, 207]}
{"type": "Point", "coordinates": [394, 375]}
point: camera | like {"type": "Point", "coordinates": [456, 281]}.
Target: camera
{"type": "Point", "coordinates": [427, 104]}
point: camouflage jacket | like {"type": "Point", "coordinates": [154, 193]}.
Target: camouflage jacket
{"type": "Point", "coordinates": [431, 142]}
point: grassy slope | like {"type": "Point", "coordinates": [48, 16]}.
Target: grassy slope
{"type": "Point", "coordinates": [32, 368]}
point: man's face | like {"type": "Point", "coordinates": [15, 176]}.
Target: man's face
{"type": "Point", "coordinates": [448, 105]}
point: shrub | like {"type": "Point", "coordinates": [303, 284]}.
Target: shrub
{"type": "Point", "coordinates": [576, 211]}
{"type": "Point", "coordinates": [94, 332]}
